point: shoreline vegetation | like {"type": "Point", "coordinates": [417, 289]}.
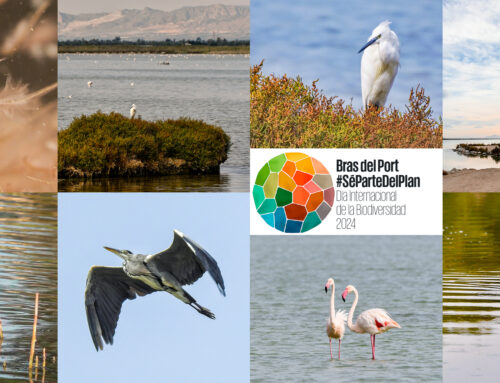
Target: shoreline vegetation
{"type": "Point", "coordinates": [198, 46]}
{"type": "Point", "coordinates": [479, 150]}
{"type": "Point", "coordinates": [286, 113]}
{"type": "Point", "coordinates": [112, 145]}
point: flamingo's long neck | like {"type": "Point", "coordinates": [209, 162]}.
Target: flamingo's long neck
{"type": "Point", "coordinates": [332, 304]}
{"type": "Point", "coordinates": [353, 327]}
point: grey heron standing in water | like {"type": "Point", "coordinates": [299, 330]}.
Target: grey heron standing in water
{"type": "Point", "coordinates": [183, 263]}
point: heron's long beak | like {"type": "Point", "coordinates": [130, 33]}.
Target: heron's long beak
{"type": "Point", "coordinates": [368, 44]}
{"type": "Point", "coordinates": [117, 252]}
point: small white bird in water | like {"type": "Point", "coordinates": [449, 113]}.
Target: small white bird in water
{"type": "Point", "coordinates": [131, 84]}
{"type": "Point", "coordinates": [132, 111]}
{"type": "Point", "coordinates": [379, 65]}
{"type": "Point", "coordinates": [89, 84]}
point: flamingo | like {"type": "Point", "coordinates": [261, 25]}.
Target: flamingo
{"type": "Point", "coordinates": [89, 84]}
{"type": "Point", "coordinates": [374, 321]}
{"type": "Point", "coordinates": [335, 325]}
{"type": "Point", "coordinates": [132, 111]}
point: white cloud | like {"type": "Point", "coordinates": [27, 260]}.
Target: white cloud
{"type": "Point", "coordinates": [471, 67]}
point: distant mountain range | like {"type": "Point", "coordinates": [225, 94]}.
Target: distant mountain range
{"type": "Point", "coordinates": [224, 21]}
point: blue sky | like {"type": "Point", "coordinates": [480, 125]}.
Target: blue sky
{"type": "Point", "coordinates": [158, 338]}
{"type": "Point", "coordinates": [471, 68]}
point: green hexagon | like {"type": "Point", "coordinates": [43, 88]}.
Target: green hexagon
{"type": "Point", "coordinates": [283, 197]}
{"type": "Point", "coordinates": [276, 164]}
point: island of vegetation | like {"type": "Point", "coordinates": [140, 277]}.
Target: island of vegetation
{"type": "Point", "coordinates": [286, 113]}
{"type": "Point", "coordinates": [168, 46]}
{"type": "Point", "coordinates": [112, 145]}
{"type": "Point", "coordinates": [479, 150]}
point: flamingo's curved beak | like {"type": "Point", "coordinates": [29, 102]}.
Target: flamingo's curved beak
{"type": "Point", "coordinates": [344, 294]}
{"type": "Point", "coordinates": [327, 286]}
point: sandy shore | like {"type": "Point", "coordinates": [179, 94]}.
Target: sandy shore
{"type": "Point", "coordinates": [472, 181]}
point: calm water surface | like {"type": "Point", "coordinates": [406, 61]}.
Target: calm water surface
{"type": "Point", "coordinates": [319, 39]}
{"type": "Point", "coordinates": [471, 287]}
{"type": "Point", "coordinates": [28, 265]}
{"type": "Point", "coordinates": [213, 88]}
{"type": "Point", "coordinates": [460, 161]}
{"type": "Point", "coordinates": [289, 308]}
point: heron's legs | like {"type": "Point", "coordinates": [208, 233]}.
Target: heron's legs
{"type": "Point", "coordinates": [202, 310]}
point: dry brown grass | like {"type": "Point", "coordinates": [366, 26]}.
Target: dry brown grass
{"type": "Point", "coordinates": [28, 109]}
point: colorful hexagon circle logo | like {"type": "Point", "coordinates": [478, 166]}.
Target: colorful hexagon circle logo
{"type": "Point", "coordinates": [293, 192]}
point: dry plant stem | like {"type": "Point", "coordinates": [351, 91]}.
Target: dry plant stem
{"type": "Point", "coordinates": [1, 332]}
{"type": "Point", "coordinates": [33, 338]}
{"type": "Point", "coordinates": [43, 358]}
{"type": "Point", "coordinates": [31, 96]}
{"type": "Point", "coordinates": [36, 368]}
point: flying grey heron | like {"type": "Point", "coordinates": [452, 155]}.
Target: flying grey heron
{"type": "Point", "coordinates": [183, 263]}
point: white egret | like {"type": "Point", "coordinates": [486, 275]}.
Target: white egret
{"type": "Point", "coordinates": [89, 84]}
{"type": "Point", "coordinates": [132, 111]}
{"type": "Point", "coordinates": [379, 65]}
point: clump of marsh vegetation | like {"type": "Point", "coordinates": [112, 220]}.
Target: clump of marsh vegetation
{"type": "Point", "coordinates": [481, 150]}
{"type": "Point", "coordinates": [285, 113]}
{"type": "Point", "coordinates": [107, 145]}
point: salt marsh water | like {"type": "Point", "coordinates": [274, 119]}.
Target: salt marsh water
{"type": "Point", "coordinates": [471, 287]}
{"type": "Point", "coordinates": [319, 39]}
{"type": "Point", "coordinates": [28, 265]}
{"type": "Point", "coordinates": [213, 88]}
{"type": "Point", "coordinates": [455, 160]}
{"type": "Point", "coordinates": [289, 308]}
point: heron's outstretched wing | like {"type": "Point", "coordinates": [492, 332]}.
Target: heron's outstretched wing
{"type": "Point", "coordinates": [186, 261]}
{"type": "Point", "coordinates": [107, 288]}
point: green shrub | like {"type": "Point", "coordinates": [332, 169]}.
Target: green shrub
{"type": "Point", "coordinates": [114, 145]}
{"type": "Point", "coordinates": [285, 112]}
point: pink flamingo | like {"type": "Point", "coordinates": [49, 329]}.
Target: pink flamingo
{"type": "Point", "coordinates": [335, 325]}
{"type": "Point", "coordinates": [374, 321]}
